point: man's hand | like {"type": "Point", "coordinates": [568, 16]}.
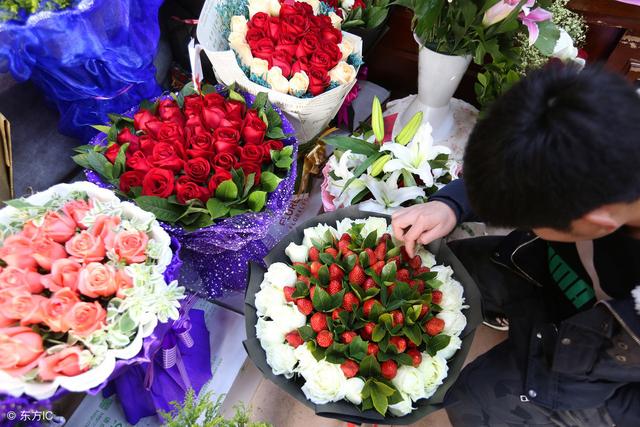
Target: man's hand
{"type": "Point", "coordinates": [423, 224]}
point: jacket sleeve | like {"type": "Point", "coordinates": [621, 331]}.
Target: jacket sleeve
{"type": "Point", "coordinates": [454, 195]}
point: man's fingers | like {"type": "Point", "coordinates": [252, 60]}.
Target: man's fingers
{"type": "Point", "coordinates": [429, 236]}
{"type": "Point", "coordinates": [422, 225]}
{"type": "Point", "coordinates": [399, 224]}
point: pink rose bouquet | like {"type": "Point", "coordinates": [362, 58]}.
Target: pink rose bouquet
{"type": "Point", "coordinates": [81, 284]}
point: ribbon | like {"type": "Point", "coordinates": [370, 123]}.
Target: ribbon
{"type": "Point", "coordinates": [343, 113]}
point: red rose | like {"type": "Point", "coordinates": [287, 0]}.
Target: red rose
{"type": "Point", "coordinates": [267, 146]}
{"type": "Point", "coordinates": [274, 27]}
{"type": "Point", "coordinates": [213, 99]}
{"type": "Point", "coordinates": [295, 25]}
{"type": "Point", "coordinates": [332, 3]}
{"type": "Point", "coordinates": [321, 21]}
{"type": "Point", "coordinates": [253, 128]}
{"type": "Point", "coordinates": [197, 169]}
{"type": "Point", "coordinates": [254, 35]}
{"type": "Point", "coordinates": [193, 127]}
{"type": "Point", "coordinates": [168, 131]}
{"type": "Point", "coordinates": [169, 111]}
{"type": "Point", "coordinates": [131, 179]}
{"type": "Point", "coordinates": [146, 144]}
{"type": "Point", "coordinates": [249, 168]}
{"type": "Point", "coordinates": [287, 9]}
{"type": "Point", "coordinates": [235, 109]}
{"type": "Point", "coordinates": [219, 175]}
{"type": "Point", "coordinates": [304, 9]}
{"type": "Point", "coordinates": [225, 161]}
{"type": "Point", "coordinates": [308, 45]}
{"type": "Point", "coordinates": [321, 60]}
{"type": "Point", "coordinates": [331, 34]}
{"type": "Point", "coordinates": [189, 190]}
{"type": "Point", "coordinates": [200, 145]}
{"type": "Point", "coordinates": [127, 137]}
{"type": "Point", "coordinates": [282, 59]}
{"type": "Point", "coordinates": [359, 4]}
{"type": "Point", "coordinates": [264, 49]}
{"type": "Point", "coordinates": [288, 43]}
{"type": "Point", "coordinates": [142, 118]}
{"type": "Point", "coordinates": [192, 105]}
{"type": "Point", "coordinates": [212, 116]}
{"type": "Point", "coordinates": [226, 140]}
{"type": "Point", "coordinates": [158, 182]}
{"type": "Point", "coordinates": [251, 153]}
{"type": "Point", "coordinates": [302, 64]}
{"type": "Point", "coordinates": [332, 50]}
{"type": "Point", "coordinates": [319, 80]}
{"type": "Point", "coordinates": [138, 162]}
{"type": "Point", "coordinates": [112, 152]}
{"type": "Point", "coordinates": [259, 20]}
{"type": "Point", "coordinates": [165, 156]}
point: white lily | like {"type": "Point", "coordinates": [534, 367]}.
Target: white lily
{"type": "Point", "coordinates": [387, 194]}
{"type": "Point", "coordinates": [415, 156]}
{"type": "Point", "coordinates": [343, 169]}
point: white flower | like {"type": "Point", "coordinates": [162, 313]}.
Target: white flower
{"type": "Point", "coordinates": [282, 360]}
{"type": "Point", "coordinates": [297, 253]}
{"type": "Point", "coordinates": [243, 51]}
{"type": "Point", "coordinates": [452, 348]}
{"type": "Point", "coordinates": [401, 408]}
{"type": "Point", "coordinates": [387, 194]}
{"type": "Point", "coordinates": [343, 73]}
{"type": "Point", "coordinates": [306, 360]}
{"type": "Point", "coordinates": [353, 391]}
{"type": "Point", "coordinates": [343, 226]}
{"type": "Point", "coordinates": [346, 47]}
{"type": "Point", "coordinates": [347, 4]}
{"type": "Point", "coordinates": [259, 67]}
{"type": "Point", "coordinates": [274, 7]}
{"type": "Point", "coordinates": [415, 156]}
{"type": "Point", "coordinates": [565, 50]}
{"type": "Point", "coordinates": [268, 299]}
{"type": "Point", "coordinates": [288, 317]}
{"type": "Point", "coordinates": [343, 169]}
{"type": "Point", "coordinates": [318, 233]}
{"type": "Point", "coordinates": [299, 84]}
{"type": "Point", "coordinates": [238, 24]}
{"type": "Point", "coordinates": [444, 273]}
{"type": "Point", "coordinates": [336, 20]}
{"type": "Point", "coordinates": [428, 259]}
{"type": "Point", "coordinates": [325, 383]}
{"type": "Point", "coordinates": [373, 223]}
{"type": "Point", "coordinates": [452, 296]}
{"type": "Point", "coordinates": [315, 5]}
{"type": "Point", "coordinates": [256, 6]}
{"type": "Point", "coordinates": [279, 275]}
{"type": "Point", "coordinates": [434, 370]}
{"type": "Point", "coordinates": [454, 322]}
{"type": "Point", "coordinates": [269, 333]}
{"type": "Point", "coordinates": [410, 381]}
{"type": "Point", "coordinates": [277, 81]}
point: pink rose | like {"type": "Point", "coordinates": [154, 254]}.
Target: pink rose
{"type": "Point", "coordinates": [85, 247]}
{"type": "Point", "coordinates": [25, 307]}
{"type": "Point", "coordinates": [46, 251]}
{"type": "Point", "coordinates": [31, 231]}
{"type": "Point", "coordinates": [58, 227]}
{"type": "Point", "coordinates": [97, 280]}
{"type": "Point", "coordinates": [105, 227]}
{"type": "Point", "coordinates": [64, 274]}
{"type": "Point", "coordinates": [123, 281]}
{"type": "Point", "coordinates": [56, 307]}
{"type": "Point", "coordinates": [77, 209]}
{"type": "Point", "coordinates": [130, 246]}
{"type": "Point", "coordinates": [17, 251]}
{"type": "Point", "coordinates": [20, 350]}
{"type": "Point", "coordinates": [12, 277]}
{"type": "Point", "coordinates": [66, 363]}
{"type": "Point", "coordinates": [85, 318]}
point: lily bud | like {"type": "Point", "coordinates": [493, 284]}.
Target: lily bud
{"type": "Point", "coordinates": [409, 130]}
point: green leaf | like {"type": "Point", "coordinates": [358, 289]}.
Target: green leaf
{"type": "Point", "coordinates": [227, 190]}
{"type": "Point", "coordinates": [269, 181]}
{"type": "Point", "coordinates": [302, 290]}
{"type": "Point", "coordinates": [323, 275]}
{"type": "Point", "coordinates": [378, 333]}
{"type": "Point", "coordinates": [96, 162]}
{"type": "Point", "coordinates": [257, 200]}
{"type": "Point", "coordinates": [235, 96]}
{"type": "Point", "coordinates": [149, 106]}
{"type": "Point", "coordinates": [389, 271]}
{"type": "Point", "coordinates": [403, 359]}
{"type": "Point", "coordinates": [549, 35]}
{"type": "Point", "coordinates": [357, 146]}
{"type": "Point", "coordinates": [321, 300]}
{"type": "Point", "coordinates": [377, 16]}
{"type": "Point", "coordinates": [161, 208]}
{"type": "Point", "coordinates": [261, 101]}
{"type": "Point", "coordinates": [307, 333]}
{"type": "Point", "coordinates": [276, 133]}
{"type": "Point", "coordinates": [369, 367]}
{"type": "Point", "coordinates": [188, 89]}
{"type": "Point", "coordinates": [357, 348]}
{"type": "Point", "coordinates": [437, 343]}
{"type": "Point", "coordinates": [301, 270]}
{"type": "Point", "coordinates": [119, 165]}
{"type": "Point", "coordinates": [216, 208]}
{"type": "Point", "coordinates": [371, 240]}
{"type": "Point", "coordinates": [380, 402]}
{"type": "Point", "coordinates": [414, 333]}
{"type": "Point", "coordinates": [102, 128]}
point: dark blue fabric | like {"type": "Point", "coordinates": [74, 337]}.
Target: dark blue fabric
{"type": "Point", "coordinates": [89, 61]}
{"type": "Point", "coordinates": [455, 196]}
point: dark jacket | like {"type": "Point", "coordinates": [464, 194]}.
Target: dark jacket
{"type": "Point", "coordinates": [570, 358]}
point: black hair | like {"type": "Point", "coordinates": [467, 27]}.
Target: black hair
{"type": "Point", "coordinates": [557, 145]}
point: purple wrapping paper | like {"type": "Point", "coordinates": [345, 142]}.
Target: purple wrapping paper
{"type": "Point", "coordinates": [216, 258]}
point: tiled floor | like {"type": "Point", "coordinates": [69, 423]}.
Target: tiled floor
{"type": "Point", "coordinates": [273, 405]}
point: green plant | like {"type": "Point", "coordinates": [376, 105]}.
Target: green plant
{"type": "Point", "coordinates": [17, 9]}
{"type": "Point", "coordinates": [204, 411]}
{"type": "Point", "coordinates": [371, 15]}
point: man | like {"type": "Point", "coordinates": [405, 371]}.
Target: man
{"type": "Point", "coordinates": [559, 155]}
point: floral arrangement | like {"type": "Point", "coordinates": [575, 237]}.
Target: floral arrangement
{"type": "Point", "coordinates": [360, 13]}
{"type": "Point", "coordinates": [356, 318]}
{"type": "Point", "coordinates": [81, 284]}
{"type": "Point", "coordinates": [196, 157]}
{"type": "Point", "coordinates": [383, 176]}
{"type": "Point", "coordinates": [293, 48]}
{"type": "Point", "coordinates": [20, 10]}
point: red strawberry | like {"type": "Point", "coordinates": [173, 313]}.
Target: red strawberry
{"type": "Point", "coordinates": [436, 297]}
{"type": "Point", "coordinates": [415, 262]}
{"type": "Point", "coordinates": [347, 337]}
{"type": "Point", "coordinates": [312, 292]}
{"type": "Point", "coordinates": [424, 310]}
{"type": "Point", "coordinates": [391, 288]}
{"type": "Point", "coordinates": [418, 285]}
{"type": "Point", "coordinates": [381, 251]}
{"type": "Point", "coordinates": [302, 264]}
{"type": "Point", "coordinates": [318, 322]}
{"type": "Point", "coordinates": [385, 237]}
{"type": "Point", "coordinates": [288, 291]}
{"type": "Point", "coordinates": [389, 369]}
{"type": "Point", "coordinates": [357, 276]}
{"type": "Point", "coordinates": [334, 287]}
{"type": "Point", "coordinates": [343, 247]}
{"type": "Point", "coordinates": [346, 237]}
{"type": "Point", "coordinates": [315, 267]}
{"type": "Point", "coordinates": [416, 356]}
{"type": "Point", "coordinates": [422, 270]}
{"type": "Point", "coordinates": [331, 251]}
{"type": "Point", "coordinates": [405, 254]}
{"type": "Point", "coordinates": [398, 318]}
{"type": "Point", "coordinates": [314, 254]}
{"type": "Point", "coordinates": [349, 300]}
{"type": "Point", "coordinates": [335, 272]}
{"type": "Point", "coordinates": [304, 279]}
{"type": "Point", "coordinates": [411, 345]}
{"type": "Point", "coordinates": [396, 259]}
{"type": "Point", "coordinates": [371, 255]}
{"type": "Point", "coordinates": [369, 284]}
{"type": "Point", "coordinates": [336, 314]}
{"type": "Point", "coordinates": [373, 349]}
{"type": "Point", "coordinates": [434, 326]}
{"type": "Point", "coordinates": [324, 338]}
{"type": "Point", "coordinates": [368, 305]}
{"type": "Point", "coordinates": [399, 342]}
{"type": "Point", "coordinates": [294, 339]}
{"type": "Point", "coordinates": [367, 330]}
{"type": "Point", "coordinates": [377, 267]}
{"type": "Point", "coordinates": [349, 368]}
{"type": "Point", "coordinates": [349, 252]}
{"type": "Point", "coordinates": [403, 275]}
{"type": "Point", "coordinates": [305, 306]}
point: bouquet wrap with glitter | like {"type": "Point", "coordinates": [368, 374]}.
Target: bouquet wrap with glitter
{"type": "Point", "coordinates": [219, 254]}
{"type": "Point", "coordinates": [92, 59]}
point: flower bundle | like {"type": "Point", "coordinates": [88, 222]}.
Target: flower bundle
{"type": "Point", "coordinates": [357, 319]}
{"type": "Point", "coordinates": [196, 158]}
{"type": "Point", "coordinates": [383, 176]}
{"type": "Point", "coordinates": [360, 13]}
{"type": "Point", "coordinates": [81, 284]}
{"type": "Point", "coordinates": [293, 48]}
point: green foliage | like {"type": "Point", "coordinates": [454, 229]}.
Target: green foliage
{"type": "Point", "coordinates": [13, 9]}
{"type": "Point", "coordinates": [371, 16]}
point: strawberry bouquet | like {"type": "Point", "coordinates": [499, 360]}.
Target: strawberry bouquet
{"type": "Point", "coordinates": [216, 167]}
{"type": "Point", "coordinates": [83, 281]}
{"type": "Point", "coordinates": [352, 320]}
